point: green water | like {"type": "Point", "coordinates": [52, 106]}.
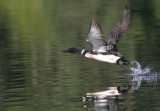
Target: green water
{"type": "Point", "coordinates": [36, 76]}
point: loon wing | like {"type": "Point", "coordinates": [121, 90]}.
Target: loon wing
{"type": "Point", "coordinates": [95, 37]}
{"type": "Point", "coordinates": [119, 30]}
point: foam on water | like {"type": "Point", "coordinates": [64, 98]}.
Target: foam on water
{"type": "Point", "coordinates": [136, 68]}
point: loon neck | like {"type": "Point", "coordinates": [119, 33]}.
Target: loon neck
{"type": "Point", "coordinates": [83, 52]}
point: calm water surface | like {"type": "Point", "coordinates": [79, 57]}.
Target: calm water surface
{"type": "Point", "coordinates": [36, 76]}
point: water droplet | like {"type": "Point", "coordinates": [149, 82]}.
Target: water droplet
{"type": "Point", "coordinates": [136, 68]}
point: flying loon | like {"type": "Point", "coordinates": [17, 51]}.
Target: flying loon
{"type": "Point", "coordinates": [105, 49]}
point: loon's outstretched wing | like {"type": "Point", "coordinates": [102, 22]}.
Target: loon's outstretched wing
{"type": "Point", "coordinates": [117, 32]}
{"type": "Point", "coordinates": [95, 37]}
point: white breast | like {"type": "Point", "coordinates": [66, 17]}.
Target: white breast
{"type": "Point", "coordinates": [104, 58]}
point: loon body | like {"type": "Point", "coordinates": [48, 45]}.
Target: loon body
{"type": "Point", "coordinates": [105, 49]}
{"type": "Point", "coordinates": [105, 58]}
{"type": "Point", "coordinates": [101, 57]}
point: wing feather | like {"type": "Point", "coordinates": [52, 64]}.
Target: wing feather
{"type": "Point", "coordinates": [95, 37]}
{"type": "Point", "coordinates": [117, 32]}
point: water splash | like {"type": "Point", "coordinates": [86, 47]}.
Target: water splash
{"type": "Point", "coordinates": [136, 68]}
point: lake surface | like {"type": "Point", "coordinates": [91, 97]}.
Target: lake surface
{"type": "Point", "coordinates": [36, 76]}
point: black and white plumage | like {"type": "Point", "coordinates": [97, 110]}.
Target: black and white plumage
{"type": "Point", "coordinates": [105, 49]}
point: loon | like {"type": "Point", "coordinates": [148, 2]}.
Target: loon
{"type": "Point", "coordinates": [105, 49]}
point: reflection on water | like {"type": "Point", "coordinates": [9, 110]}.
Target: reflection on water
{"type": "Point", "coordinates": [105, 100]}
{"type": "Point", "coordinates": [108, 100]}
{"type": "Point", "coordinates": [150, 78]}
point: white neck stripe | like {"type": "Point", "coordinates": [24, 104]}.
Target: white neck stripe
{"type": "Point", "coordinates": [82, 51]}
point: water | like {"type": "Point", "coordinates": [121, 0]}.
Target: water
{"type": "Point", "coordinates": [110, 99]}
{"type": "Point", "coordinates": [36, 76]}
{"type": "Point", "coordinates": [138, 70]}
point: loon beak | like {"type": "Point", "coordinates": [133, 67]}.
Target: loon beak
{"type": "Point", "coordinates": [63, 50]}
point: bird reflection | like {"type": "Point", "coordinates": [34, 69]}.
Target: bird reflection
{"type": "Point", "coordinates": [108, 100]}
{"type": "Point", "coordinates": [104, 100]}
